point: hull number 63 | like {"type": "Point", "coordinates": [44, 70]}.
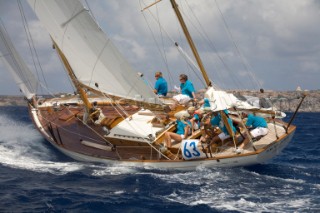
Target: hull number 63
{"type": "Point", "coordinates": [190, 149]}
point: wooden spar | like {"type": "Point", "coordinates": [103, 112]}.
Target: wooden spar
{"type": "Point", "coordinates": [229, 129]}
{"type": "Point", "coordinates": [75, 81]}
{"type": "Point", "coordinates": [269, 112]}
{"type": "Point", "coordinates": [191, 43]}
{"type": "Point", "coordinates": [120, 100]}
{"type": "Point", "coordinates": [150, 5]}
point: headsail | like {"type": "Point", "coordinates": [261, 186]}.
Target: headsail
{"type": "Point", "coordinates": [23, 77]}
{"type": "Point", "coordinates": [91, 54]}
{"type": "Point", "coordinates": [221, 100]}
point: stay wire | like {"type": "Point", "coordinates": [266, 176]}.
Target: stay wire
{"type": "Point", "coordinates": [164, 51]}
{"type": "Point", "coordinates": [206, 38]}
{"type": "Point", "coordinates": [184, 54]}
{"type": "Point", "coordinates": [244, 62]}
{"type": "Point", "coordinates": [94, 18]}
{"type": "Point", "coordinates": [163, 56]}
{"type": "Point", "coordinates": [34, 53]}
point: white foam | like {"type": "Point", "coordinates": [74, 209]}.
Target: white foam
{"type": "Point", "coordinates": [119, 192]}
{"type": "Point", "coordinates": [263, 176]}
{"type": "Point", "coordinates": [21, 146]}
{"type": "Point", "coordinates": [235, 189]}
{"type": "Point", "coordinates": [225, 199]}
{"type": "Point", "coordinates": [112, 170]}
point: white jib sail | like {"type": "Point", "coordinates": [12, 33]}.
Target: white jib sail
{"type": "Point", "coordinates": [91, 54]}
{"type": "Point", "coordinates": [220, 100]}
{"type": "Point", "coordinates": [23, 77]}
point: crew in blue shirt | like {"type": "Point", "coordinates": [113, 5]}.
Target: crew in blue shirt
{"type": "Point", "coordinates": [181, 127]}
{"type": "Point", "coordinates": [161, 86]}
{"type": "Point", "coordinates": [206, 103]}
{"type": "Point", "coordinates": [187, 91]}
{"type": "Point", "coordinates": [186, 86]}
{"type": "Point", "coordinates": [217, 121]}
{"type": "Point", "coordinates": [194, 119]}
{"type": "Point", "coordinates": [182, 132]}
{"type": "Point", "coordinates": [256, 121]}
{"type": "Point", "coordinates": [259, 125]}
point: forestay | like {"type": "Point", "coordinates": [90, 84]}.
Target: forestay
{"type": "Point", "coordinates": [23, 77]}
{"type": "Point", "coordinates": [91, 54]}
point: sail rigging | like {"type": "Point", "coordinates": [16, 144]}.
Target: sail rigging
{"type": "Point", "coordinates": [94, 59]}
{"type": "Point", "coordinates": [23, 77]}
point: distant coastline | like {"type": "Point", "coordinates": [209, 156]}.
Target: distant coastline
{"type": "Point", "coordinates": [286, 101]}
{"type": "Point", "coordinates": [10, 100]}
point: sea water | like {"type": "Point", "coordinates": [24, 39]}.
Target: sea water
{"type": "Point", "coordinates": [34, 177]}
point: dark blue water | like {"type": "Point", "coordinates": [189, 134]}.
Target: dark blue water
{"type": "Point", "coordinates": [34, 177]}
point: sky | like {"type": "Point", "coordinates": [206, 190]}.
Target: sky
{"type": "Point", "coordinates": [244, 44]}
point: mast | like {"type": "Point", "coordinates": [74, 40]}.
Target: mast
{"type": "Point", "coordinates": [191, 43]}
{"type": "Point", "coordinates": [74, 80]}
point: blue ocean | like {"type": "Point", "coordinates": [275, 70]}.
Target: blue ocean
{"type": "Point", "coordinates": [37, 178]}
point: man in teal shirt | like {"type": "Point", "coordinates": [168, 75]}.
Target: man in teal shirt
{"type": "Point", "coordinates": [187, 90]}
{"type": "Point", "coordinates": [255, 121]}
{"type": "Point", "coordinates": [187, 86]}
{"type": "Point", "coordinates": [259, 128]}
{"type": "Point", "coordinates": [161, 86]}
{"type": "Point", "coordinates": [217, 121]}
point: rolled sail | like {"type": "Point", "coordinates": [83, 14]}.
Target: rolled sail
{"type": "Point", "coordinates": [91, 54]}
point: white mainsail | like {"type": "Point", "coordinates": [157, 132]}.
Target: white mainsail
{"type": "Point", "coordinates": [23, 77]}
{"type": "Point", "coordinates": [91, 54]}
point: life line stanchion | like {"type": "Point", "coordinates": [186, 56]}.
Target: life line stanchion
{"type": "Point", "coordinates": [209, 148]}
{"type": "Point", "coordinates": [295, 113]}
{"type": "Point", "coordinates": [203, 149]}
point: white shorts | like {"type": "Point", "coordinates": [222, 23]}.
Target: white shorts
{"type": "Point", "coordinates": [195, 126]}
{"type": "Point", "coordinates": [259, 131]}
{"type": "Point", "coordinates": [181, 98]}
{"type": "Point", "coordinates": [223, 136]}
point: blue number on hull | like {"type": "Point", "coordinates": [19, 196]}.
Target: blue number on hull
{"type": "Point", "coordinates": [186, 152]}
{"type": "Point", "coordinates": [189, 154]}
{"type": "Point", "coordinates": [197, 154]}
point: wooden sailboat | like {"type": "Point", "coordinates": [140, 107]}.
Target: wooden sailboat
{"type": "Point", "coordinates": [115, 117]}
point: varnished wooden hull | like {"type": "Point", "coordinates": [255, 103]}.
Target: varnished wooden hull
{"type": "Point", "coordinates": [77, 141]}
